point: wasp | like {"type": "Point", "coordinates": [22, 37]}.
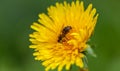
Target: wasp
{"type": "Point", "coordinates": [64, 32]}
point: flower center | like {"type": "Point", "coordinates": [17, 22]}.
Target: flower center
{"type": "Point", "coordinates": [71, 39]}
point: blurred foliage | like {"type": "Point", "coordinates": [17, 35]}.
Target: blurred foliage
{"type": "Point", "coordinates": [16, 16]}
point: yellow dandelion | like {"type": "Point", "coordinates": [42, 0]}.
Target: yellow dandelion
{"type": "Point", "coordinates": [60, 36]}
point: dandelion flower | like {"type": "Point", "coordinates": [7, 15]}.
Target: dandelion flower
{"type": "Point", "coordinates": [61, 35]}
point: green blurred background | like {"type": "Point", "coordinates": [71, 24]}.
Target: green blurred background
{"type": "Point", "coordinates": [16, 16]}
